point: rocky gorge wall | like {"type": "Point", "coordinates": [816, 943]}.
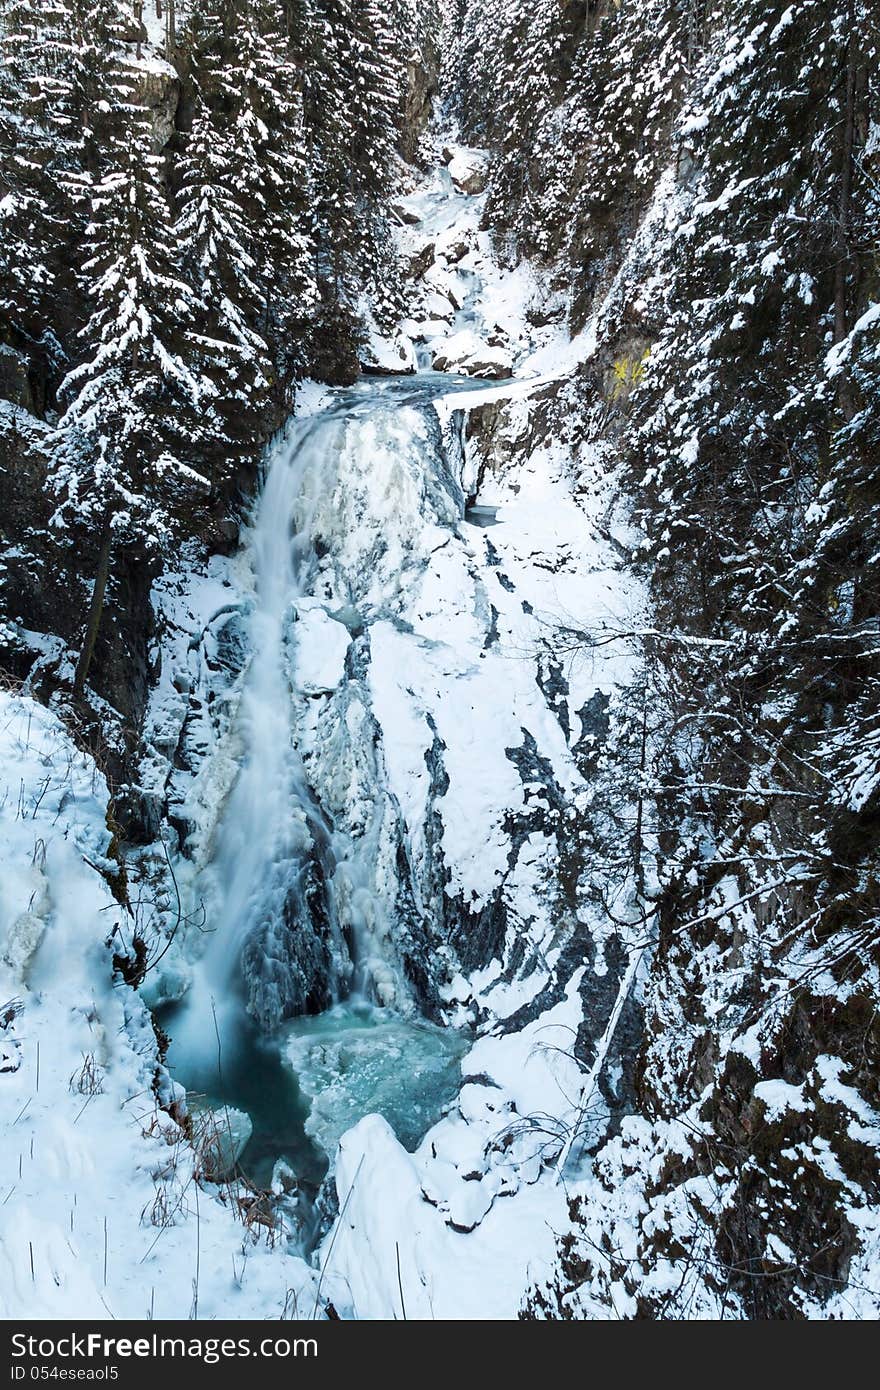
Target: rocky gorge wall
{"type": "Point", "coordinates": [643, 170]}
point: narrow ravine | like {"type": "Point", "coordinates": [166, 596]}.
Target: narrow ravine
{"type": "Point", "coordinates": [439, 663]}
{"type": "Point", "coordinates": [369, 767]}
{"type": "Point", "coordinates": [373, 759]}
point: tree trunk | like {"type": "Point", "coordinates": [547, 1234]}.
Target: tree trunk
{"type": "Point", "coordinates": [96, 608]}
{"type": "Point", "coordinates": [842, 267]}
{"type": "Point", "coordinates": [638, 846]}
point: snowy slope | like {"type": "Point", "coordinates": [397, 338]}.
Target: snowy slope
{"type": "Point", "coordinates": [99, 1216]}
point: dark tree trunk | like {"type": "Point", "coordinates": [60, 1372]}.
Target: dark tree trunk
{"type": "Point", "coordinates": [842, 267]}
{"type": "Point", "coordinates": [96, 608]}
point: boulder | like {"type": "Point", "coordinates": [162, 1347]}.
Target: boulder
{"type": "Point", "coordinates": [405, 216]}
{"type": "Point", "coordinates": [466, 353]}
{"type": "Point", "coordinates": [542, 312]}
{"type": "Point", "coordinates": [469, 172]}
{"type": "Point", "coordinates": [381, 356]}
{"type": "Point", "coordinates": [420, 262]}
{"type": "Point", "coordinates": [440, 308]}
{"type": "Point", "coordinates": [453, 249]}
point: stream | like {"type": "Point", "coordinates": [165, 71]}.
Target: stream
{"type": "Point", "coordinates": [288, 1019]}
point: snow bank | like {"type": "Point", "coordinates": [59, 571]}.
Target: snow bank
{"type": "Point", "coordinates": [393, 1256]}
{"type": "Point", "coordinates": [100, 1215]}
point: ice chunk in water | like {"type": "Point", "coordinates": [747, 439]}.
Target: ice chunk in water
{"type": "Point", "coordinates": [356, 1060]}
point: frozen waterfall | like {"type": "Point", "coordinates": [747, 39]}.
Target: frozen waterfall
{"type": "Point", "coordinates": [293, 928]}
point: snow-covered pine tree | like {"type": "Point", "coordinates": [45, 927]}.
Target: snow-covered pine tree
{"type": "Point", "coordinates": [378, 74]}
{"type": "Point", "coordinates": [754, 433]}
{"type": "Point", "coordinates": [520, 55]}
{"type": "Point", "coordinates": [52, 82]}
{"type": "Point", "coordinates": [755, 277]}
{"type": "Point", "coordinates": [376, 58]}
{"type": "Point", "coordinates": [329, 120]}
{"type": "Point", "coordinates": [119, 456]}
{"type": "Point", "coordinates": [215, 224]}
{"type": "Point", "coordinates": [38, 142]}
{"type": "Point", "coordinates": [272, 172]}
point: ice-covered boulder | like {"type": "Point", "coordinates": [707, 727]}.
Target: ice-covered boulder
{"type": "Point", "coordinates": [468, 169]}
{"type": "Point", "coordinates": [471, 355]}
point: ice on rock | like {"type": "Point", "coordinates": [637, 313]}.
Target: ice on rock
{"type": "Point", "coordinates": [322, 641]}
{"type": "Point", "coordinates": [167, 983]}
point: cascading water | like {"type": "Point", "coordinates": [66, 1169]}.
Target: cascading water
{"type": "Point", "coordinates": [273, 941]}
{"type": "Point", "coordinates": [276, 925]}
{"type": "Point", "coordinates": [247, 1034]}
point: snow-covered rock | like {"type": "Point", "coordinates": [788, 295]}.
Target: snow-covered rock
{"type": "Point", "coordinates": [466, 353]}
{"type": "Point", "coordinates": [322, 640]}
{"type": "Point", "coordinates": [384, 354]}
{"type": "Point", "coordinates": [468, 168]}
{"type": "Point", "coordinates": [453, 244]}
{"type": "Point", "coordinates": [394, 1256]}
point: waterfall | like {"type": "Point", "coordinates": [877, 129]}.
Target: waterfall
{"type": "Point", "coordinates": [276, 924]}
{"type": "Point", "coordinates": [273, 939]}
{"type": "Point", "coordinates": [285, 989]}
{"type": "Point", "coordinates": [276, 927]}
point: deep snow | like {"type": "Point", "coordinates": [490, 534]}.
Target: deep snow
{"type": "Point", "coordinates": [99, 1215]}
